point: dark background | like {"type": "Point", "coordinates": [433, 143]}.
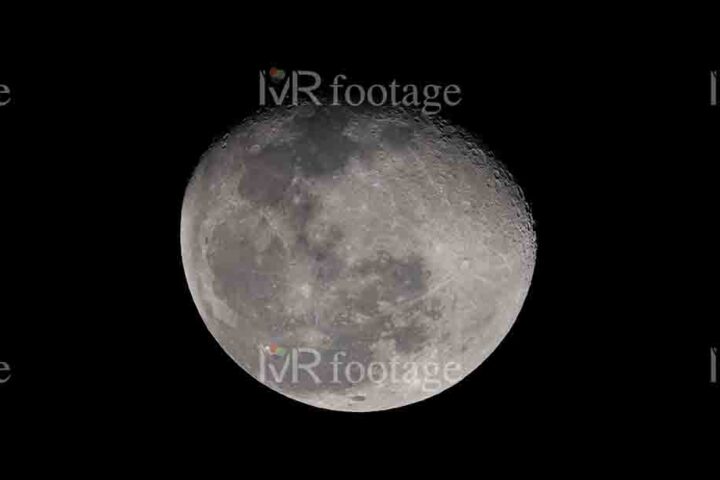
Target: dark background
{"type": "Point", "coordinates": [613, 145]}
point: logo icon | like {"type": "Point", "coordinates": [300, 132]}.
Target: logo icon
{"type": "Point", "coordinates": [277, 75]}
{"type": "Point", "coordinates": [275, 350]}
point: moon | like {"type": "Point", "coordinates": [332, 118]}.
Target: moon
{"type": "Point", "coordinates": [355, 259]}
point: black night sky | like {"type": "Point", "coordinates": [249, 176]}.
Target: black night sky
{"type": "Point", "coordinates": [612, 145]}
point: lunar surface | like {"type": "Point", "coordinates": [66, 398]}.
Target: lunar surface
{"type": "Point", "coordinates": [355, 259]}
